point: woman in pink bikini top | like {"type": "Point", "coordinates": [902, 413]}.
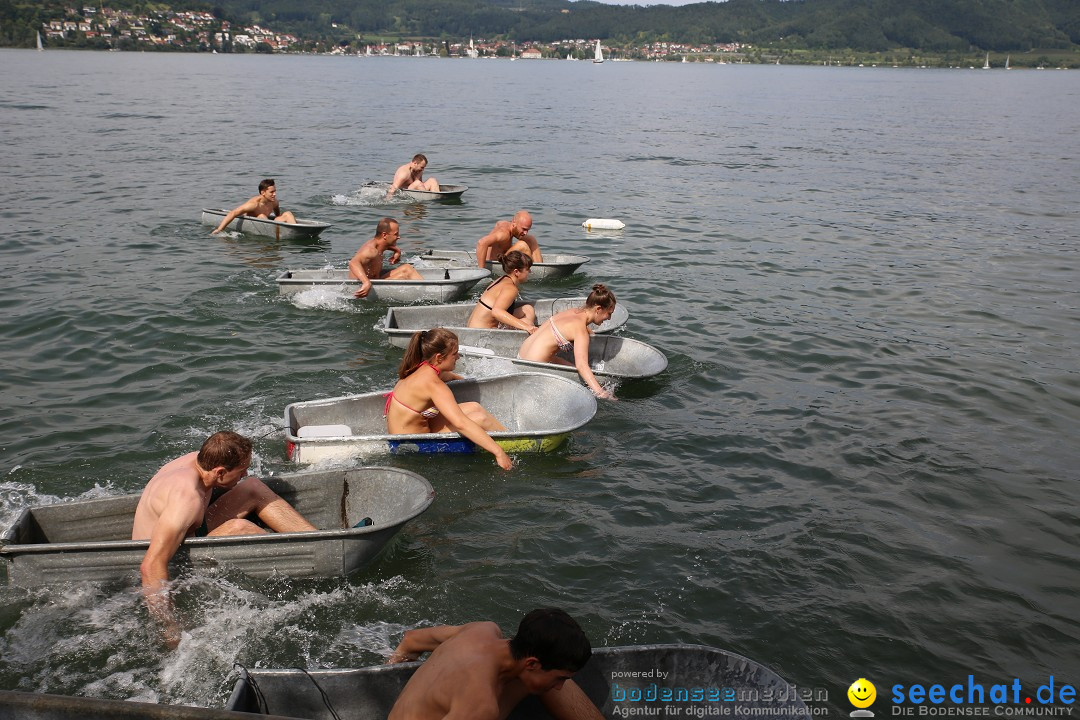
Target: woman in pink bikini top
{"type": "Point", "coordinates": [422, 403]}
{"type": "Point", "coordinates": [568, 333]}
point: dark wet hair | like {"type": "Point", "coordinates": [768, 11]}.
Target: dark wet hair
{"type": "Point", "coordinates": [425, 345]}
{"type": "Point", "coordinates": [515, 260]}
{"type": "Point", "coordinates": [552, 637]}
{"type": "Point", "coordinates": [224, 449]}
{"type": "Point", "coordinates": [267, 183]}
{"type": "Point", "coordinates": [600, 297]}
{"type": "Point", "coordinates": [419, 157]}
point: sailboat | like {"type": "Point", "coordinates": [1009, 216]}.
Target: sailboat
{"type": "Point", "coordinates": [1007, 61]}
{"type": "Point", "coordinates": [599, 55]}
{"type": "Point", "coordinates": [39, 46]}
{"type": "Point", "coordinates": [986, 63]}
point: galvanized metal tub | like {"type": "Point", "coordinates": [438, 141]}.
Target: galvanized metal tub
{"type": "Point", "coordinates": [438, 285]}
{"type": "Point", "coordinates": [684, 681]}
{"type": "Point", "coordinates": [300, 230]}
{"type": "Point", "coordinates": [610, 357]}
{"type": "Point", "coordinates": [402, 322]}
{"type": "Point", "coordinates": [90, 540]}
{"type": "Point", "coordinates": [445, 192]}
{"type": "Point", "coordinates": [40, 706]}
{"type": "Point", "coordinates": [539, 410]}
{"type": "Point", "coordinates": [554, 267]}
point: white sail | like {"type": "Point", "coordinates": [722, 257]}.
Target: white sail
{"type": "Point", "coordinates": [986, 63]}
{"type": "Point", "coordinates": [1007, 61]}
{"type": "Point", "coordinates": [599, 56]}
{"type": "Point", "coordinates": [39, 46]}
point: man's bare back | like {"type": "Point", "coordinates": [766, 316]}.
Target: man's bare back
{"type": "Point", "coordinates": [176, 486]}
{"type": "Point", "coordinates": [465, 665]}
{"type": "Point", "coordinates": [176, 503]}
{"type": "Point", "coordinates": [473, 672]}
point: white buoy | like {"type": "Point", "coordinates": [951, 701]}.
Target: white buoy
{"type": "Point", "coordinates": [603, 224]}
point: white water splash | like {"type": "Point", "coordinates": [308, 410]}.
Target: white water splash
{"type": "Point", "coordinates": [338, 298]}
{"type": "Point", "coordinates": [484, 367]}
{"type": "Point", "coordinates": [83, 640]}
{"type": "Point", "coordinates": [368, 196]}
{"type": "Point", "coordinates": [17, 496]}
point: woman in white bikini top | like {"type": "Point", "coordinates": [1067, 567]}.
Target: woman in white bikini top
{"type": "Point", "coordinates": [568, 332]}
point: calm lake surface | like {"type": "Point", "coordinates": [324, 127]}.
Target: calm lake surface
{"type": "Point", "coordinates": [861, 461]}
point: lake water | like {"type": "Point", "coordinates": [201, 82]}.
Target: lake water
{"type": "Point", "coordinates": [861, 461]}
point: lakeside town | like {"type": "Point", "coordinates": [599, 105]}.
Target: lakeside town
{"type": "Point", "coordinates": [106, 28]}
{"type": "Point", "coordinates": [103, 28]}
{"type": "Point", "coordinates": [192, 31]}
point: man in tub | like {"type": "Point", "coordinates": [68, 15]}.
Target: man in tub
{"type": "Point", "coordinates": [507, 236]}
{"type": "Point", "coordinates": [264, 206]}
{"type": "Point", "coordinates": [410, 176]}
{"type": "Point", "coordinates": [178, 503]}
{"type": "Point", "coordinates": [475, 672]}
{"type": "Point", "coordinates": [367, 264]}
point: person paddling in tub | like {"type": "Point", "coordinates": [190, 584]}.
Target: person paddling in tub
{"type": "Point", "coordinates": [422, 403]}
{"type": "Point", "coordinates": [495, 308]}
{"type": "Point", "coordinates": [568, 331]}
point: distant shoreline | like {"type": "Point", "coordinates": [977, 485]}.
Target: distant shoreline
{"type": "Point", "coordinates": [1026, 61]}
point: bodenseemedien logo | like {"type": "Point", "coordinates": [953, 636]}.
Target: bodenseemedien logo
{"type": "Point", "coordinates": [862, 694]}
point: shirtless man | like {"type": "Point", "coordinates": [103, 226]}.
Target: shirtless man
{"type": "Point", "coordinates": [507, 236]}
{"type": "Point", "coordinates": [176, 505]}
{"type": "Point", "coordinates": [264, 205]}
{"type": "Point", "coordinates": [367, 263]}
{"type": "Point", "coordinates": [474, 672]}
{"type": "Point", "coordinates": [410, 176]}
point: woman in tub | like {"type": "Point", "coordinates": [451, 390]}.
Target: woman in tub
{"type": "Point", "coordinates": [568, 331]}
{"type": "Point", "coordinates": [422, 403]}
{"type": "Point", "coordinates": [495, 308]}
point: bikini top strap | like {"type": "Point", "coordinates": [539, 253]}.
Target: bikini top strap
{"type": "Point", "coordinates": [501, 277]}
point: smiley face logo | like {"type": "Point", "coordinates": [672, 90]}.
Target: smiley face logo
{"type": "Point", "coordinates": [862, 693]}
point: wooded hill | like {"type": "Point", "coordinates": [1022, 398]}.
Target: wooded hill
{"type": "Point", "coordinates": [941, 26]}
{"type": "Point", "coordinates": [867, 25]}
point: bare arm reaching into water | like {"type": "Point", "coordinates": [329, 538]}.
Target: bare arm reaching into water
{"type": "Point", "coordinates": [449, 409]}
{"type": "Point", "coordinates": [581, 362]}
